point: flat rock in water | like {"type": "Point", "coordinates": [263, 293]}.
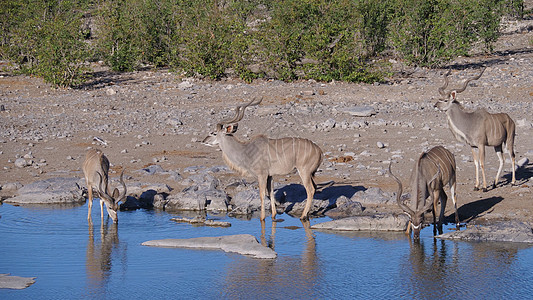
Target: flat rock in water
{"type": "Point", "coordinates": [57, 190]}
{"type": "Point", "coordinates": [202, 221]}
{"type": "Point", "coordinates": [505, 231]}
{"type": "Point", "coordinates": [15, 282]}
{"type": "Point", "coordinates": [380, 222]}
{"type": "Point", "coordinates": [241, 243]}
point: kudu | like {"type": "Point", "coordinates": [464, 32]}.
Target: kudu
{"type": "Point", "coordinates": [262, 158]}
{"type": "Point", "coordinates": [96, 169]}
{"type": "Point", "coordinates": [479, 129]}
{"type": "Point", "coordinates": [433, 170]}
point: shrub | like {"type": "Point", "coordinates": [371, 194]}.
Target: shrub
{"type": "Point", "coordinates": [317, 39]}
{"type": "Point", "coordinates": [282, 39]}
{"type": "Point", "coordinates": [433, 32]}
{"type": "Point", "coordinates": [46, 40]}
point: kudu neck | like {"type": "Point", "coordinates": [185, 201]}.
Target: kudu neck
{"type": "Point", "coordinates": [231, 146]}
{"type": "Point", "coordinates": [457, 116]}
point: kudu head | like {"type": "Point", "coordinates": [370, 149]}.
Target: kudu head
{"type": "Point", "coordinates": [418, 194]}
{"type": "Point", "coordinates": [111, 200]}
{"type": "Point", "coordinates": [228, 126]}
{"type": "Point", "coordinates": [448, 98]}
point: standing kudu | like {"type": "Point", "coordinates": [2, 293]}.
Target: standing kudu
{"type": "Point", "coordinates": [433, 170]}
{"type": "Point", "coordinates": [96, 169]}
{"type": "Point", "coordinates": [263, 158]}
{"type": "Point", "coordinates": [479, 129]}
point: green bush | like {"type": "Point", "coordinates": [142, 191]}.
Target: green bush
{"type": "Point", "coordinates": [281, 39]}
{"type": "Point", "coordinates": [432, 32]}
{"type": "Point", "coordinates": [45, 39]}
{"type": "Point", "coordinates": [211, 39]}
{"type": "Point", "coordinates": [318, 39]}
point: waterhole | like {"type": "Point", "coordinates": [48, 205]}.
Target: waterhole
{"type": "Point", "coordinates": [72, 259]}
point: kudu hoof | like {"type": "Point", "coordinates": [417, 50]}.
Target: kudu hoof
{"type": "Point", "coordinates": [484, 190]}
{"type": "Point", "coordinates": [476, 189]}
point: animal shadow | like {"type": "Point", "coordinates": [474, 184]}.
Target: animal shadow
{"type": "Point", "coordinates": [295, 193]}
{"type": "Point", "coordinates": [522, 175]}
{"type": "Point", "coordinates": [474, 209]}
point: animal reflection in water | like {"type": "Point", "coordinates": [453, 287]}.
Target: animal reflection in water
{"type": "Point", "coordinates": [309, 261]}
{"type": "Point", "coordinates": [99, 255]}
{"type": "Point", "coordinates": [433, 263]}
{"type": "Point", "coordinates": [294, 274]}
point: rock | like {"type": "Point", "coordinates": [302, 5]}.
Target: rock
{"type": "Point", "coordinates": [378, 222]}
{"type": "Point", "coordinates": [152, 170]}
{"type": "Point", "coordinates": [185, 85]}
{"type": "Point", "coordinates": [380, 145]}
{"type": "Point", "coordinates": [244, 244]}
{"type": "Point", "coordinates": [318, 206]}
{"type": "Point", "coordinates": [50, 191]}
{"type": "Point", "coordinates": [247, 201]}
{"type": "Point", "coordinates": [182, 201]}
{"type": "Point", "coordinates": [133, 203]}
{"type": "Point", "coordinates": [21, 163]}
{"type": "Point", "coordinates": [523, 123]}
{"type": "Point", "coordinates": [505, 231]}
{"type": "Point", "coordinates": [15, 282]}
{"type": "Point", "coordinates": [202, 221]}
{"type": "Point", "coordinates": [203, 179]}
{"type": "Point", "coordinates": [327, 125]}
{"type": "Point", "coordinates": [345, 208]}
{"type": "Point", "coordinates": [174, 122]}
{"type": "Point", "coordinates": [372, 195]}
{"type": "Point", "coordinates": [196, 199]}
{"type": "Point", "coordinates": [110, 92]}
{"type": "Point", "coordinates": [522, 162]}
{"type": "Point", "coordinates": [137, 189]}
{"type": "Point", "coordinates": [11, 186]}
{"type": "Point", "coordinates": [360, 111]}
{"type": "Point", "coordinates": [216, 200]}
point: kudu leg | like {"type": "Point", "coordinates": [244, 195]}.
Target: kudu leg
{"type": "Point", "coordinates": [500, 167]}
{"type": "Point", "coordinates": [509, 149]}
{"type": "Point", "coordinates": [443, 201]}
{"type": "Point", "coordinates": [482, 165]}
{"type": "Point", "coordinates": [408, 230]}
{"type": "Point", "coordinates": [262, 191]}
{"type": "Point", "coordinates": [270, 191]}
{"type": "Point", "coordinates": [102, 209]}
{"type": "Point", "coordinates": [476, 163]}
{"type": "Point", "coordinates": [435, 199]}
{"type": "Point", "coordinates": [90, 192]}
{"type": "Point", "coordinates": [513, 166]}
{"type": "Point", "coordinates": [307, 181]}
{"type": "Point", "coordinates": [454, 200]}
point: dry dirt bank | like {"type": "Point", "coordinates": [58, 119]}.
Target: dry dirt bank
{"type": "Point", "coordinates": [158, 118]}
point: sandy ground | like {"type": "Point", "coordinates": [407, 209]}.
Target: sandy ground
{"type": "Point", "coordinates": [157, 117]}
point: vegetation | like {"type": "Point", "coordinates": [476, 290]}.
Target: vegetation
{"type": "Point", "coordinates": [282, 39]}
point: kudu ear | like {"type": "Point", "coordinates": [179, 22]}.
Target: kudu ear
{"type": "Point", "coordinates": [453, 94]}
{"type": "Point", "coordinates": [232, 128]}
{"type": "Point", "coordinates": [115, 194]}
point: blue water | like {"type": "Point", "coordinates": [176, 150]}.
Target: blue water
{"type": "Point", "coordinates": [73, 260]}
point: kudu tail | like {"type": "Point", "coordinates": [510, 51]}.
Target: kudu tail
{"type": "Point", "coordinates": [321, 186]}
{"type": "Point", "coordinates": [509, 142]}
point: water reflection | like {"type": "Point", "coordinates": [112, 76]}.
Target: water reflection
{"type": "Point", "coordinates": [441, 268]}
{"type": "Point", "coordinates": [99, 260]}
{"type": "Point", "coordinates": [294, 276]}
{"type": "Point", "coordinates": [310, 264]}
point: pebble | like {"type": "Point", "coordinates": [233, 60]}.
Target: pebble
{"type": "Point", "coordinates": [21, 163]}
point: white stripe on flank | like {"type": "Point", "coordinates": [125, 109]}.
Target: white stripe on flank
{"type": "Point", "coordinates": [457, 131]}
